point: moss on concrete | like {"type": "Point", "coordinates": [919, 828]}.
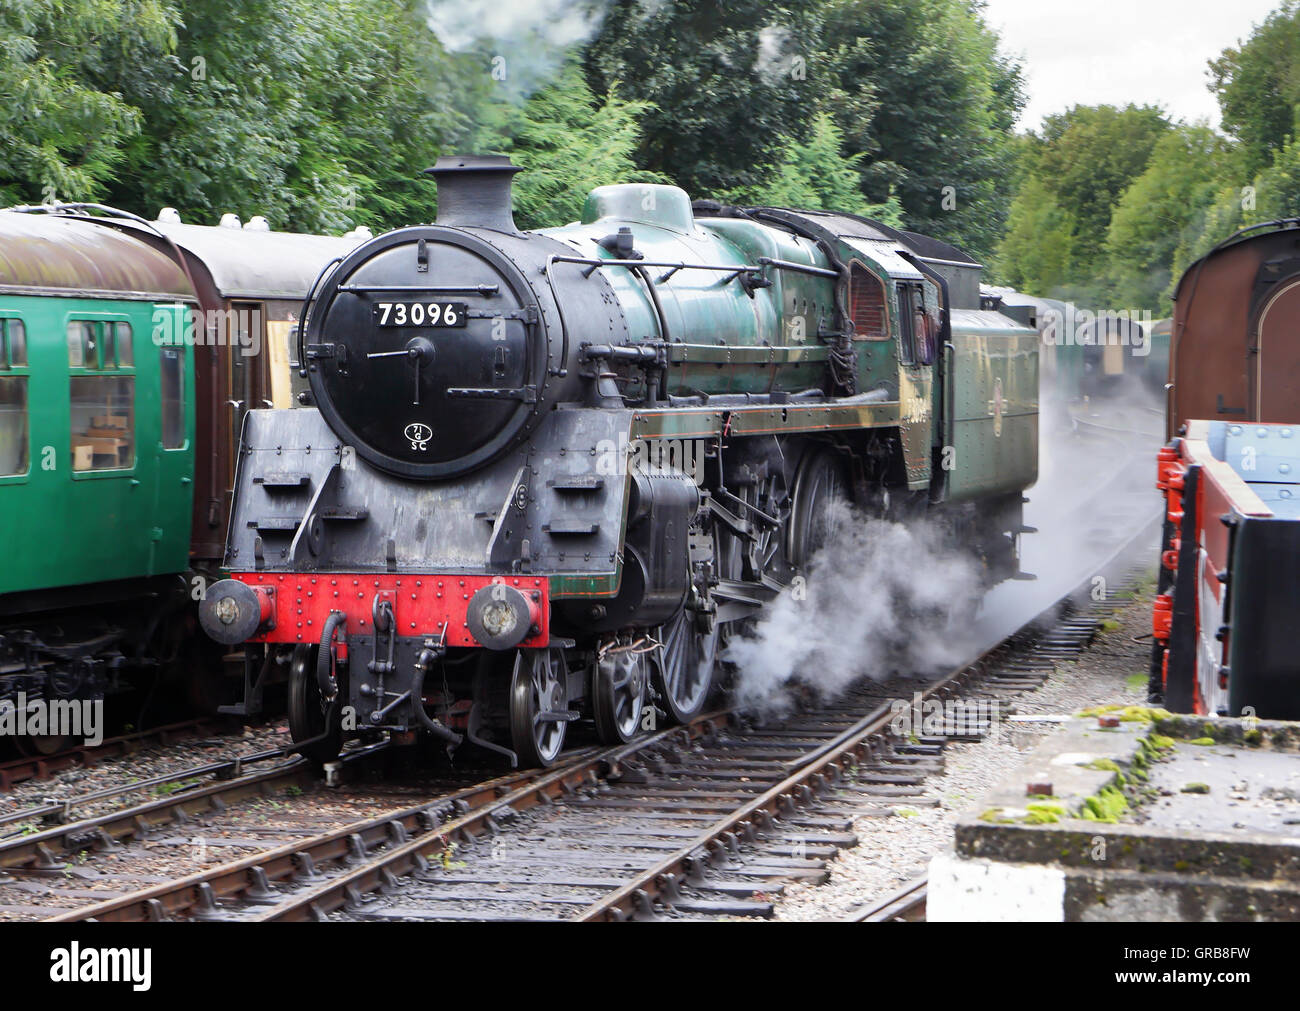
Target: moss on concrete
{"type": "Point", "coordinates": [1106, 805]}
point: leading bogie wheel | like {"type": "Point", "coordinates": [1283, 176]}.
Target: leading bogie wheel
{"type": "Point", "coordinates": [538, 706]}
{"type": "Point", "coordinates": [618, 694]}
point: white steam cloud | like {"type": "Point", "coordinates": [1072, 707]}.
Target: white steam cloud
{"type": "Point", "coordinates": [881, 598]}
{"type": "Point", "coordinates": [775, 53]}
{"type": "Point", "coordinates": [1095, 490]}
{"type": "Point", "coordinates": [460, 24]}
{"type": "Point", "coordinates": [523, 44]}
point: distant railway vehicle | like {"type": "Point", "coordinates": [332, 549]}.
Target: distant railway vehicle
{"type": "Point", "coordinates": [1229, 585]}
{"type": "Point", "coordinates": [546, 473]}
{"type": "Point", "coordinates": [119, 419]}
{"type": "Point", "coordinates": [1090, 356]}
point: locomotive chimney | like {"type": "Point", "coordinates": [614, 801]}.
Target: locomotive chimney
{"type": "Point", "coordinates": [474, 191]}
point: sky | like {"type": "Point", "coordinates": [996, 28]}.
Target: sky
{"type": "Point", "coordinates": [1094, 52]}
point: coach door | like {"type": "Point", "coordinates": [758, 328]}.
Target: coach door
{"type": "Point", "coordinates": [1276, 379]}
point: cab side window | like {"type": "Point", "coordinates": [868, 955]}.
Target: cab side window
{"type": "Point", "coordinates": [14, 435]}
{"type": "Point", "coordinates": [867, 305]}
{"type": "Point", "coordinates": [101, 357]}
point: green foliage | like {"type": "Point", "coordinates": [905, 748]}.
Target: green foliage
{"type": "Point", "coordinates": [1090, 156]}
{"type": "Point", "coordinates": [1035, 255]}
{"type": "Point", "coordinates": [316, 116]}
{"type": "Point", "coordinates": [1147, 200]}
{"type": "Point", "coordinates": [1258, 87]}
{"type": "Point", "coordinates": [1156, 211]}
{"type": "Point", "coordinates": [921, 91]}
{"type": "Point", "coordinates": [320, 114]}
{"type": "Point", "coordinates": [1073, 176]}
{"type": "Point", "coordinates": [62, 135]}
{"type": "Point", "coordinates": [1273, 193]}
{"type": "Point", "coordinates": [816, 175]}
{"type": "Point", "coordinates": [720, 80]}
{"type": "Point", "coordinates": [923, 101]}
{"type": "Point", "coordinates": [569, 142]}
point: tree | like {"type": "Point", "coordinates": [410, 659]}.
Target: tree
{"type": "Point", "coordinates": [1036, 254]}
{"type": "Point", "coordinates": [569, 142]}
{"type": "Point", "coordinates": [726, 83]}
{"type": "Point", "coordinates": [922, 92]}
{"type": "Point", "coordinates": [817, 175]}
{"type": "Point", "coordinates": [1090, 156]}
{"type": "Point", "coordinates": [317, 116]}
{"type": "Point", "coordinates": [1156, 211]}
{"type": "Point", "coordinates": [1258, 87]}
{"type": "Point", "coordinates": [61, 135]}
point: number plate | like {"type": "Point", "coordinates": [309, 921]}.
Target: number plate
{"type": "Point", "coordinates": [441, 314]}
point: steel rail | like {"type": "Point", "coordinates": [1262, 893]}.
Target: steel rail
{"type": "Point", "coordinates": [412, 856]}
{"type": "Point", "coordinates": [17, 770]}
{"type": "Point", "coordinates": [316, 903]}
{"type": "Point", "coordinates": [411, 838]}
{"type": "Point", "coordinates": [41, 849]}
{"type": "Point", "coordinates": [814, 773]}
{"type": "Point", "coordinates": [61, 809]}
{"type": "Point", "coordinates": [253, 873]}
{"type": "Point", "coordinates": [904, 903]}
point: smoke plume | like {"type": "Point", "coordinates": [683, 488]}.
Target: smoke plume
{"type": "Point", "coordinates": [881, 597]}
{"type": "Point", "coordinates": [524, 41]}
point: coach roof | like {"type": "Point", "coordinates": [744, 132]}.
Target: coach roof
{"type": "Point", "coordinates": [70, 255]}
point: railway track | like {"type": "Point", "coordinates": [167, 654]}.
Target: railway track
{"type": "Point", "coordinates": [18, 770]}
{"type": "Point", "coordinates": [61, 811]}
{"type": "Point", "coordinates": [707, 820]}
{"type": "Point", "coordinates": [905, 905]}
{"type": "Point", "coordinates": [51, 857]}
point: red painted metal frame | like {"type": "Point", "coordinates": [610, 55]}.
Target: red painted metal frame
{"type": "Point", "coordinates": [424, 604]}
{"type": "Point", "coordinates": [1220, 492]}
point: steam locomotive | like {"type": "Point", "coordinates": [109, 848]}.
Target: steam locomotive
{"type": "Point", "coordinates": [540, 476]}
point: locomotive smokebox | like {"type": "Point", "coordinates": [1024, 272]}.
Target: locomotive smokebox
{"type": "Point", "coordinates": [474, 191]}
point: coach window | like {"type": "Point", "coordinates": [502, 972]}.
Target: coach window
{"type": "Point", "coordinates": [102, 387]}
{"type": "Point", "coordinates": [867, 304]}
{"type": "Point", "coordinates": [14, 438]}
{"type": "Point", "coordinates": [13, 344]}
{"type": "Point", "coordinates": [123, 342]}
{"type": "Point", "coordinates": [172, 372]}
{"type": "Point", "coordinates": [83, 346]}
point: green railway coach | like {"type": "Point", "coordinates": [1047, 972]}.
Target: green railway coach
{"type": "Point", "coordinates": [97, 429]}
